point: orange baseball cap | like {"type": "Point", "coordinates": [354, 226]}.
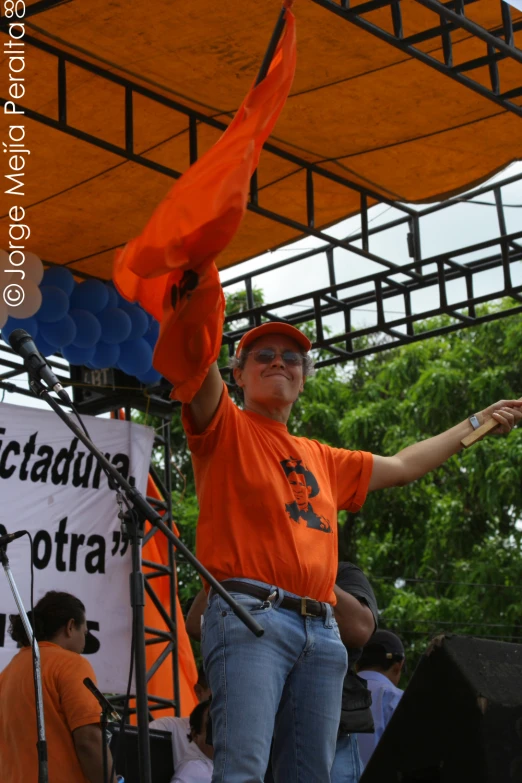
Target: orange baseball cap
{"type": "Point", "coordinates": [274, 327]}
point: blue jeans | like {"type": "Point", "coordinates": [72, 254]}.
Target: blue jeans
{"type": "Point", "coordinates": [347, 766]}
{"type": "Point", "coordinates": [286, 685]}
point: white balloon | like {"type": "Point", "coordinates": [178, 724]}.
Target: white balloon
{"type": "Point", "coordinates": [22, 299]}
{"type": "Point", "coordinates": [33, 268]}
{"type": "Point", "coordinates": [19, 294]}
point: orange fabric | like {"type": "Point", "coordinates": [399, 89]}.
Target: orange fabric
{"type": "Point", "coordinates": [165, 266]}
{"type": "Point", "coordinates": [269, 500]}
{"type": "Point", "coordinates": [359, 108]}
{"type": "Point", "coordinates": [190, 333]}
{"type": "Point", "coordinates": [162, 683]}
{"type": "Point", "coordinates": [68, 705]}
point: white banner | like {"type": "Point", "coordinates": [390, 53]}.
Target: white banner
{"type": "Point", "coordinates": [52, 487]}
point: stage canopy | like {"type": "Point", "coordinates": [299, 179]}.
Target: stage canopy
{"type": "Point", "coordinates": [121, 96]}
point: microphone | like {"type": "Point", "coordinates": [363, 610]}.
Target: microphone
{"type": "Point", "coordinates": [103, 702]}
{"type": "Point", "coordinates": [22, 343]}
{"type": "Point", "coordinates": [4, 540]}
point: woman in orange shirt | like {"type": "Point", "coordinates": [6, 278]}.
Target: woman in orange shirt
{"type": "Point", "coordinates": [71, 713]}
{"type": "Point", "coordinates": [267, 530]}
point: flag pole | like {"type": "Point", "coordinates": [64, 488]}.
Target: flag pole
{"type": "Point", "coordinates": [276, 35]}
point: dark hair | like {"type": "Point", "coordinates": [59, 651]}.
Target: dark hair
{"type": "Point", "coordinates": [377, 659]}
{"type": "Point", "coordinates": [51, 613]}
{"type": "Point", "coordinates": [196, 719]}
{"type": "Point", "coordinates": [296, 466]}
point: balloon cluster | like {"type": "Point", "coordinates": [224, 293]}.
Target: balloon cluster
{"type": "Point", "coordinates": [89, 323]}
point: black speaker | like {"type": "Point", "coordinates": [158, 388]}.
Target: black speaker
{"type": "Point", "coordinates": [124, 749]}
{"type": "Point", "coordinates": [460, 719]}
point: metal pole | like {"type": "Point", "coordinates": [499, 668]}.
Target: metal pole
{"type": "Point", "coordinates": [43, 772]}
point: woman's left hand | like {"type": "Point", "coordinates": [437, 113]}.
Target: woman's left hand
{"type": "Point", "coordinates": [506, 412]}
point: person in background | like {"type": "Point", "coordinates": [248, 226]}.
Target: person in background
{"type": "Point", "coordinates": [72, 714]}
{"type": "Point", "coordinates": [197, 769]}
{"type": "Point", "coordinates": [182, 748]}
{"type": "Point", "coordinates": [356, 614]}
{"type": "Point", "coordinates": [381, 665]}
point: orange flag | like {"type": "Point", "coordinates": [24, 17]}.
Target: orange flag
{"type": "Point", "coordinates": [169, 268]}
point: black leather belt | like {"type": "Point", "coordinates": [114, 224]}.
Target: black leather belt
{"type": "Point", "coordinates": [305, 606]}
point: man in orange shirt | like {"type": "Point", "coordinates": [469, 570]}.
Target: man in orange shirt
{"type": "Point", "coordinates": [276, 552]}
{"type": "Point", "coordinates": [71, 713]}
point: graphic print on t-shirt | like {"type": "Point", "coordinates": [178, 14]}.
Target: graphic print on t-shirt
{"type": "Point", "coordinates": [304, 486]}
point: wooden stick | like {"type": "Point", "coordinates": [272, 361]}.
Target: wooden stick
{"type": "Point", "coordinates": [479, 433]}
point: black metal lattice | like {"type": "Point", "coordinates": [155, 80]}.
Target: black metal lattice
{"type": "Point", "coordinates": [498, 43]}
{"type": "Point", "coordinates": [371, 291]}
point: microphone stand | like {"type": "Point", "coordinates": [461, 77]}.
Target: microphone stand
{"type": "Point", "coordinates": [143, 511]}
{"type": "Point", "coordinates": [107, 710]}
{"type": "Point", "coordinates": [104, 722]}
{"type": "Point", "coordinates": [41, 744]}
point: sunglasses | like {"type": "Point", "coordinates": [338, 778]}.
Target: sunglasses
{"type": "Point", "coordinates": [267, 356]}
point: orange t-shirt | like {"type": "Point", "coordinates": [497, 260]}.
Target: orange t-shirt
{"type": "Point", "coordinates": [269, 500]}
{"type": "Point", "coordinates": [68, 705]}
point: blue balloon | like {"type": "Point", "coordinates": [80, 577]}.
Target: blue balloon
{"type": "Point", "coordinates": [113, 295]}
{"type": "Point", "coordinates": [152, 333]}
{"type": "Point", "coordinates": [61, 277]}
{"type": "Point", "coordinates": [88, 328]}
{"type": "Point", "coordinates": [122, 300]}
{"type": "Point", "coordinates": [150, 377]}
{"type": "Point", "coordinates": [138, 316]}
{"type": "Point", "coordinates": [115, 325]}
{"type": "Point", "coordinates": [75, 355]}
{"type": "Point", "coordinates": [91, 295]}
{"type": "Point", "coordinates": [55, 304]}
{"type": "Point", "coordinates": [29, 324]}
{"type": "Point", "coordinates": [43, 346]}
{"type": "Point", "coordinates": [135, 357]}
{"type": "Point", "coordinates": [60, 333]}
{"type": "Point", "coordinates": [105, 355]}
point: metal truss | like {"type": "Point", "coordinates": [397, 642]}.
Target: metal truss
{"type": "Point", "coordinates": [168, 638]}
{"type": "Point", "coordinates": [314, 173]}
{"type": "Point", "coordinates": [340, 302]}
{"type": "Point", "coordinates": [498, 43]}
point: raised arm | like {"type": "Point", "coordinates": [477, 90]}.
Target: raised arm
{"type": "Point", "coordinates": [355, 619]}
{"type": "Point", "coordinates": [206, 401]}
{"type": "Point", "coordinates": [415, 461]}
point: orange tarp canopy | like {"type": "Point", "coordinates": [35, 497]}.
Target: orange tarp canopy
{"type": "Point", "coordinates": [358, 107]}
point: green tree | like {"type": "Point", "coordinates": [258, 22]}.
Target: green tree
{"type": "Point", "coordinates": [460, 526]}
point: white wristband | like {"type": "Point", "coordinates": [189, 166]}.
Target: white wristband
{"type": "Point", "coordinates": [475, 423]}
